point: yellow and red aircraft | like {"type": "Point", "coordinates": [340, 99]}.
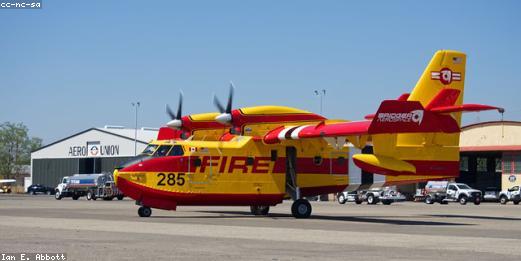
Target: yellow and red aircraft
{"type": "Point", "coordinates": [259, 156]}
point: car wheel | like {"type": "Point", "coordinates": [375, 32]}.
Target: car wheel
{"type": "Point", "coordinates": [503, 200]}
{"type": "Point", "coordinates": [371, 200]}
{"type": "Point", "coordinates": [32, 192]}
{"type": "Point", "coordinates": [429, 200]}
{"type": "Point", "coordinates": [301, 208]}
{"type": "Point", "coordinates": [48, 192]}
{"type": "Point", "coordinates": [516, 202]}
{"type": "Point", "coordinates": [57, 195]}
{"type": "Point", "coordinates": [358, 201]}
{"type": "Point", "coordinates": [75, 197]}
{"type": "Point", "coordinates": [386, 202]}
{"type": "Point", "coordinates": [341, 198]}
{"type": "Point", "coordinates": [463, 200]}
{"type": "Point", "coordinates": [89, 195]}
{"type": "Point", "coordinates": [120, 197]}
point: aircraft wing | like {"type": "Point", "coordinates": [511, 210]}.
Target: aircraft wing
{"type": "Point", "coordinates": [322, 130]}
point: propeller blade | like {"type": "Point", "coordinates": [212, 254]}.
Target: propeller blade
{"type": "Point", "coordinates": [217, 104]}
{"type": "Point", "coordinates": [169, 112]}
{"type": "Point", "coordinates": [230, 98]}
{"type": "Point", "coordinates": [180, 106]}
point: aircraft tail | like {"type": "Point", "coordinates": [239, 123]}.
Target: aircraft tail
{"type": "Point", "coordinates": [418, 134]}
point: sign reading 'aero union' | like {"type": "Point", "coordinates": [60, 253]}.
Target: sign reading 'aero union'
{"type": "Point", "coordinates": [94, 149]}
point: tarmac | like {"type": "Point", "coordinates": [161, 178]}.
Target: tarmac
{"type": "Point", "coordinates": [112, 230]}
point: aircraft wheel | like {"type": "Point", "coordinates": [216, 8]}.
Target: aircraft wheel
{"type": "Point", "coordinates": [260, 210]}
{"type": "Point", "coordinates": [301, 208]}
{"type": "Point", "coordinates": [144, 212]}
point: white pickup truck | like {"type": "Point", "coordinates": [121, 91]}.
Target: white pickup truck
{"type": "Point", "coordinates": [512, 194]}
{"type": "Point", "coordinates": [444, 192]}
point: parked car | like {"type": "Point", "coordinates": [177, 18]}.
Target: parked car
{"type": "Point", "coordinates": [491, 194]}
{"type": "Point", "coordinates": [512, 194]}
{"type": "Point", "coordinates": [348, 196]}
{"type": "Point", "coordinates": [39, 188]}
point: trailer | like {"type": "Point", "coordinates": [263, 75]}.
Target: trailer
{"type": "Point", "coordinates": [92, 186]}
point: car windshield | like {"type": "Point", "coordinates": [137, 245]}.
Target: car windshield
{"type": "Point", "coordinates": [463, 186]}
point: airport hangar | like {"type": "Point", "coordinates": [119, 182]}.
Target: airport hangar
{"type": "Point", "coordinates": [94, 150]}
{"type": "Point", "coordinates": [490, 155]}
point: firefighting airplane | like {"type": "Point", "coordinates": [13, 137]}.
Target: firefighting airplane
{"type": "Point", "coordinates": [258, 156]}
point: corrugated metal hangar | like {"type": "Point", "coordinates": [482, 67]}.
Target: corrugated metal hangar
{"type": "Point", "coordinates": [491, 154]}
{"type": "Point", "coordinates": [94, 150]}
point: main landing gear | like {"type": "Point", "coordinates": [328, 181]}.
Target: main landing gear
{"type": "Point", "coordinates": [301, 208]}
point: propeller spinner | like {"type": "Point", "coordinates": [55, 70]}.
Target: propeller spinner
{"type": "Point", "coordinates": [176, 122]}
{"type": "Point", "coordinates": [226, 113]}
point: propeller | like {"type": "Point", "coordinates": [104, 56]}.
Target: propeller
{"type": "Point", "coordinates": [226, 113]}
{"type": "Point", "coordinates": [176, 121]}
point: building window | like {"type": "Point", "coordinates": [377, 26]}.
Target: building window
{"type": "Point", "coordinates": [498, 164]}
{"type": "Point", "coordinates": [464, 164]}
{"type": "Point", "coordinates": [507, 164]}
{"type": "Point", "coordinates": [517, 163]}
{"type": "Point", "coordinates": [481, 164]}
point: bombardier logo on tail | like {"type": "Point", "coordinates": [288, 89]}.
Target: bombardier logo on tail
{"type": "Point", "coordinates": [446, 76]}
{"type": "Point", "coordinates": [413, 116]}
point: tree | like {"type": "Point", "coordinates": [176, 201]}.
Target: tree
{"type": "Point", "coordinates": [15, 148]}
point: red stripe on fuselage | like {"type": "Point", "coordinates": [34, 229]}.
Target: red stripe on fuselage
{"type": "Point", "coordinates": [229, 164]}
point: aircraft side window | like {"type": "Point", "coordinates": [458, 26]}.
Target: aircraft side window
{"type": "Point", "coordinates": [273, 155]}
{"type": "Point", "coordinates": [177, 150]}
{"type": "Point", "coordinates": [317, 160]}
{"type": "Point", "coordinates": [341, 160]}
{"type": "Point", "coordinates": [162, 150]}
{"type": "Point", "coordinates": [197, 162]}
{"type": "Point", "coordinates": [249, 161]}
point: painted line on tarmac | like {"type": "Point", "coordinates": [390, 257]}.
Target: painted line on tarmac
{"type": "Point", "coordinates": [446, 243]}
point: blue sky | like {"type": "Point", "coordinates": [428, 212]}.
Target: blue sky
{"type": "Point", "coordinates": [79, 64]}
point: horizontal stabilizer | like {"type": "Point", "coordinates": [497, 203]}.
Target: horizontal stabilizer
{"type": "Point", "coordinates": [466, 108]}
{"type": "Point", "coordinates": [383, 165]}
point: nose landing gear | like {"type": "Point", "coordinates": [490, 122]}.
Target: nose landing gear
{"type": "Point", "coordinates": [144, 211]}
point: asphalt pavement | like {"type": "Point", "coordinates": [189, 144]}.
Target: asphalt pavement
{"type": "Point", "coordinates": [112, 230]}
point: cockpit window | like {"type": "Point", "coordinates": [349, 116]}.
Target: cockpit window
{"type": "Point", "coordinates": [149, 150]}
{"type": "Point", "coordinates": [162, 150]}
{"type": "Point", "coordinates": [177, 150]}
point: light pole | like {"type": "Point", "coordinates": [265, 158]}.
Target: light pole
{"type": "Point", "coordinates": [135, 105]}
{"type": "Point", "coordinates": [320, 93]}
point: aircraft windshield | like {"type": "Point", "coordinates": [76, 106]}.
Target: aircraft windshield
{"type": "Point", "coordinates": [162, 150]}
{"type": "Point", "coordinates": [149, 150]}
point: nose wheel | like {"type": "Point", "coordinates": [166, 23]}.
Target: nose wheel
{"type": "Point", "coordinates": [301, 208]}
{"type": "Point", "coordinates": [144, 211]}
